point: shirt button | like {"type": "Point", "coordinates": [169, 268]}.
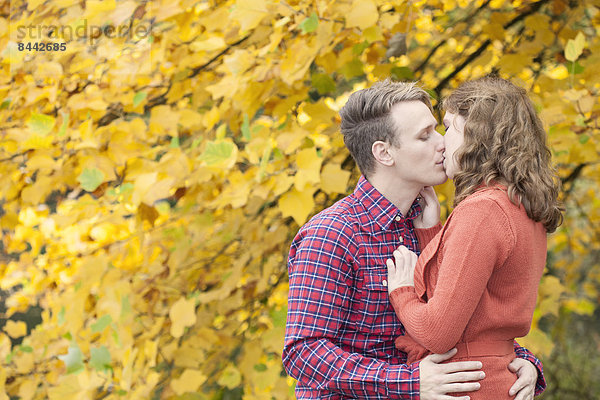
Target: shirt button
{"type": "Point", "coordinates": [384, 282]}
{"type": "Point", "coordinates": [398, 218]}
{"type": "Point", "coordinates": [401, 239]}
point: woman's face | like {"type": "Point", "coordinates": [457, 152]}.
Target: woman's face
{"type": "Point", "coordinates": [453, 139]}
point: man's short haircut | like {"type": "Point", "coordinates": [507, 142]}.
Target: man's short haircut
{"type": "Point", "coordinates": [366, 118]}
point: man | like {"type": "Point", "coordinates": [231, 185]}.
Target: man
{"type": "Point", "coordinates": [341, 327]}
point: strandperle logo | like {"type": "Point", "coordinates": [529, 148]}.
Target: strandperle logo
{"type": "Point", "coordinates": [93, 33]}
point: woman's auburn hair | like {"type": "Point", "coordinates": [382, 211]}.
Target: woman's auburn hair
{"type": "Point", "coordinates": [505, 142]}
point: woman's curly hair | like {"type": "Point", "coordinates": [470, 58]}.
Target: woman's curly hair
{"type": "Point", "coordinates": [505, 142]}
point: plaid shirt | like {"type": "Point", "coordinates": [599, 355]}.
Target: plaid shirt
{"type": "Point", "coordinates": [341, 327]}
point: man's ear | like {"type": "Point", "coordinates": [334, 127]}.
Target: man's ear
{"type": "Point", "coordinates": [382, 154]}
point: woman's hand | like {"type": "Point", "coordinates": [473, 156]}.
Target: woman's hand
{"type": "Point", "coordinates": [402, 271]}
{"type": "Point", "coordinates": [431, 209]}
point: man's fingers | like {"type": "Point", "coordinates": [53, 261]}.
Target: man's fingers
{"type": "Point", "coordinates": [517, 387]}
{"type": "Point", "coordinates": [461, 387]}
{"type": "Point", "coordinates": [459, 366]}
{"type": "Point", "coordinates": [514, 365]}
{"type": "Point", "coordinates": [438, 358]}
{"type": "Point", "coordinates": [458, 377]}
{"type": "Point", "coordinates": [524, 395]}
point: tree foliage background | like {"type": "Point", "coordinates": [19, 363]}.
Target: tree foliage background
{"type": "Point", "coordinates": [151, 184]}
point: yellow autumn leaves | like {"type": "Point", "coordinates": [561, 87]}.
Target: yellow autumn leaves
{"type": "Point", "coordinates": [182, 315]}
{"type": "Point", "coordinates": [147, 206]}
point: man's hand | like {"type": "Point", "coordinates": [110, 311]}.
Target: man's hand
{"type": "Point", "coordinates": [527, 375]}
{"type": "Point", "coordinates": [402, 271]}
{"type": "Point", "coordinates": [437, 380]}
{"type": "Point", "coordinates": [430, 216]}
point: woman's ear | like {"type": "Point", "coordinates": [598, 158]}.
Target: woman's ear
{"type": "Point", "coordinates": [381, 152]}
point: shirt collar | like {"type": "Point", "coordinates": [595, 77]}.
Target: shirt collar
{"type": "Point", "coordinates": [379, 208]}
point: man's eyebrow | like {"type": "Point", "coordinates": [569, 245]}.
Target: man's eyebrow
{"type": "Point", "coordinates": [425, 128]}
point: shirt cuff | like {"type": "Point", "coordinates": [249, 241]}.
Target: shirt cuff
{"type": "Point", "coordinates": [403, 381]}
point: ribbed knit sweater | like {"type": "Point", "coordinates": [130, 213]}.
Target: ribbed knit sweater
{"type": "Point", "coordinates": [476, 280]}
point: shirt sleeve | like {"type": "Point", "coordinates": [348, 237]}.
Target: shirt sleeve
{"type": "Point", "coordinates": [525, 354]}
{"type": "Point", "coordinates": [466, 268]}
{"type": "Point", "coordinates": [319, 301]}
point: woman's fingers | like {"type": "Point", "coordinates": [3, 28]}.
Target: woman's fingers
{"type": "Point", "coordinates": [408, 259]}
{"type": "Point", "coordinates": [399, 257]}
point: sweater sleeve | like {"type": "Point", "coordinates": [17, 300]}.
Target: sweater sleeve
{"type": "Point", "coordinates": [424, 235]}
{"type": "Point", "coordinates": [477, 240]}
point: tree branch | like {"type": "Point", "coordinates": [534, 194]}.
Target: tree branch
{"type": "Point", "coordinates": [442, 84]}
{"type": "Point", "coordinates": [442, 42]}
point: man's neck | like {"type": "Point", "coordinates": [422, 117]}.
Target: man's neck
{"type": "Point", "coordinates": [401, 194]}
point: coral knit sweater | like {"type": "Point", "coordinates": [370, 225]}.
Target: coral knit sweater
{"type": "Point", "coordinates": [475, 287]}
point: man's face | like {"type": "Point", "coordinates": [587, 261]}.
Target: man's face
{"type": "Point", "coordinates": [419, 156]}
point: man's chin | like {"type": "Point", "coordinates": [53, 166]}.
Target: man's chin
{"type": "Point", "coordinates": [440, 181]}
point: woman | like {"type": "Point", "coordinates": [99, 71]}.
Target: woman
{"type": "Point", "coordinates": [475, 283]}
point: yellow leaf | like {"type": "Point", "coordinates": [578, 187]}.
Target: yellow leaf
{"type": "Point", "coordinates": [159, 190]}
{"type": "Point", "coordinates": [373, 34]}
{"type": "Point", "coordinates": [249, 13]}
{"type": "Point", "coordinates": [559, 72]}
{"type": "Point", "coordinates": [36, 193]}
{"type": "Point", "coordinates": [581, 306]}
{"type": "Point", "coordinates": [41, 161]}
{"type": "Point", "coordinates": [230, 377]}
{"type": "Point", "coordinates": [41, 124]}
{"type": "Point", "coordinates": [236, 193]}
{"type": "Point", "coordinates": [309, 166]}
{"type": "Point", "coordinates": [538, 342]}
{"type": "Point", "coordinates": [3, 395]}
{"type": "Point", "coordinates": [68, 389]}
{"type": "Point", "coordinates": [239, 61]}
{"type": "Point", "coordinates": [189, 119]}
{"type": "Point", "coordinates": [210, 118]}
{"type": "Point", "coordinates": [123, 11]}
{"type": "Point", "coordinates": [166, 117]}
{"type": "Point", "coordinates": [38, 142]}
{"type": "Point", "coordinates": [298, 58]}
{"type": "Point", "coordinates": [363, 14]}
{"type": "Point", "coordinates": [27, 389]}
{"type": "Point", "coordinates": [225, 87]}
{"type": "Point", "coordinates": [574, 48]}
{"type": "Point", "coordinates": [297, 204]}
{"type": "Point", "coordinates": [142, 185]}
{"type": "Point", "coordinates": [24, 362]}
{"type": "Point", "coordinates": [211, 44]}
{"type": "Point", "coordinates": [586, 103]}
{"type": "Point", "coordinates": [189, 381]}
{"type": "Point", "coordinates": [15, 329]}
{"type": "Point", "coordinates": [94, 7]}
{"type": "Point", "coordinates": [334, 179]}
{"type": "Point", "coordinates": [182, 315]}
{"type": "Point", "coordinates": [4, 351]}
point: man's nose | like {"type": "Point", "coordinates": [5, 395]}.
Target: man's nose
{"type": "Point", "coordinates": [441, 146]}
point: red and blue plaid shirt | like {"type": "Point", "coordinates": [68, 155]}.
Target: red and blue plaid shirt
{"type": "Point", "coordinates": [341, 327]}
